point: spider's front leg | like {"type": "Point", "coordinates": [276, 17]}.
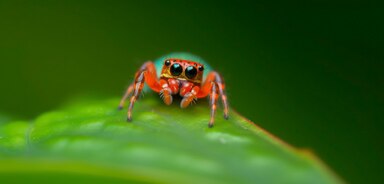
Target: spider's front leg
{"type": "Point", "coordinates": [147, 74]}
{"type": "Point", "coordinates": [214, 87]}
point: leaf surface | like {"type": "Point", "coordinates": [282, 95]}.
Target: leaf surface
{"type": "Point", "coordinates": [90, 141]}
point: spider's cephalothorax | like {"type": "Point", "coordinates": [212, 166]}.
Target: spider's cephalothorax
{"type": "Point", "coordinates": [182, 70]}
{"type": "Point", "coordinates": [181, 74]}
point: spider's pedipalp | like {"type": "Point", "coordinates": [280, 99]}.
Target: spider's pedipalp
{"type": "Point", "coordinates": [166, 96]}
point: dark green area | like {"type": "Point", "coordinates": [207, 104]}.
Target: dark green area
{"type": "Point", "coordinates": [59, 178]}
{"type": "Point", "coordinates": [91, 138]}
{"type": "Point", "coordinates": [310, 73]}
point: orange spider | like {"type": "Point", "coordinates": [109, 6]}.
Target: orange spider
{"type": "Point", "coordinates": [178, 74]}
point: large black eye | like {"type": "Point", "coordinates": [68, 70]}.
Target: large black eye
{"type": "Point", "coordinates": [176, 69]}
{"type": "Point", "coordinates": [190, 72]}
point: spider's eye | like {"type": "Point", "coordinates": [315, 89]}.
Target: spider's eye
{"type": "Point", "coordinates": [201, 68]}
{"type": "Point", "coordinates": [190, 72]}
{"type": "Point", "coordinates": [167, 62]}
{"type": "Point", "coordinates": [176, 69]}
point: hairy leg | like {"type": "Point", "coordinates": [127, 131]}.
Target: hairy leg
{"type": "Point", "coordinates": [212, 103]}
{"type": "Point", "coordinates": [206, 89]}
{"type": "Point", "coordinates": [138, 87]}
{"type": "Point", "coordinates": [127, 93]}
{"type": "Point", "coordinates": [147, 74]}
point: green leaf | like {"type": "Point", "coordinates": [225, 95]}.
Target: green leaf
{"type": "Point", "coordinates": [90, 141]}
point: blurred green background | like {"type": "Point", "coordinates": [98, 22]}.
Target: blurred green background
{"type": "Point", "coordinates": [310, 73]}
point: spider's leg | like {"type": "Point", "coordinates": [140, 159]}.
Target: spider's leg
{"type": "Point", "coordinates": [219, 82]}
{"type": "Point", "coordinates": [212, 103]}
{"type": "Point", "coordinates": [147, 74]}
{"type": "Point", "coordinates": [138, 87]}
{"type": "Point", "coordinates": [127, 93]}
{"type": "Point", "coordinates": [206, 89]}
